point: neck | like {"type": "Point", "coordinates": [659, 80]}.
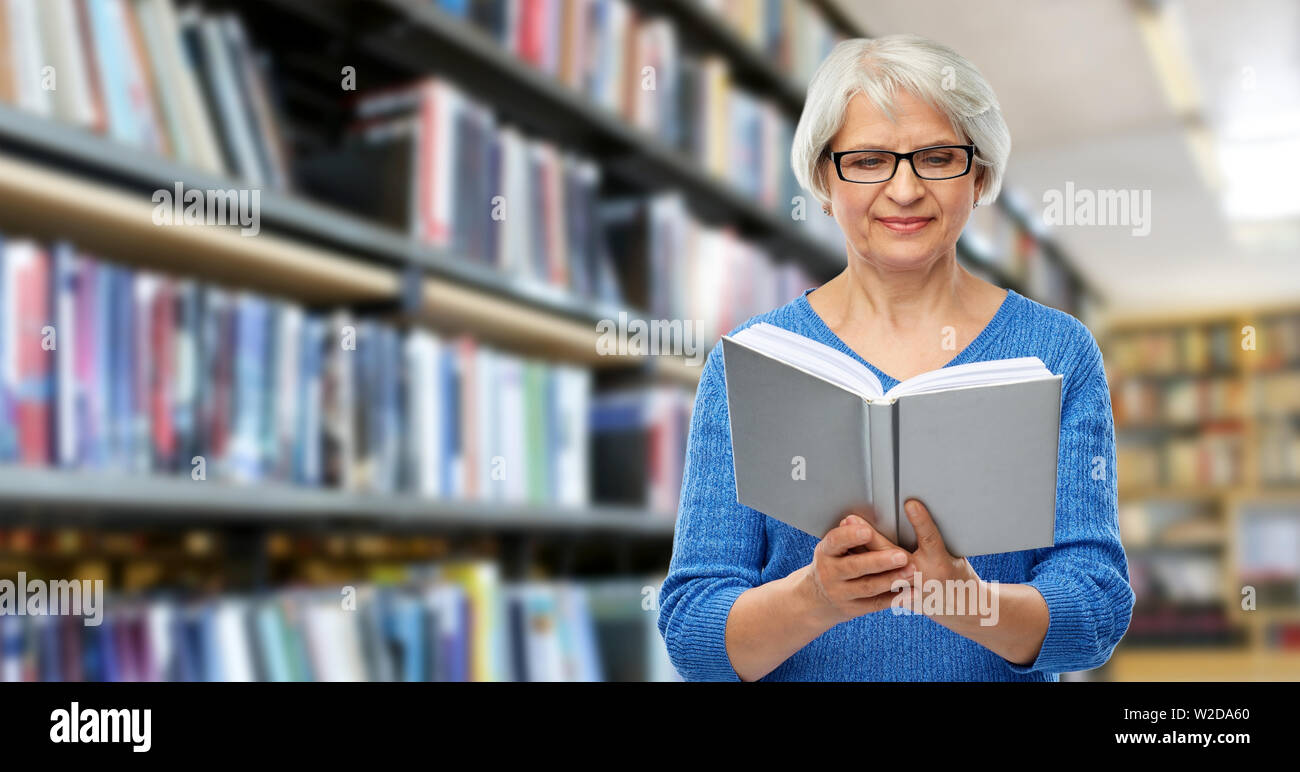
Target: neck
{"type": "Point", "coordinates": [901, 300]}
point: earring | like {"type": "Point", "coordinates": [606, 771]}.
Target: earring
{"type": "Point", "coordinates": [826, 210]}
{"type": "Point", "coordinates": [972, 206]}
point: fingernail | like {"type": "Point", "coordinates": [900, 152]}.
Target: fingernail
{"type": "Point", "coordinates": [845, 521]}
{"type": "Point", "coordinates": [900, 560]}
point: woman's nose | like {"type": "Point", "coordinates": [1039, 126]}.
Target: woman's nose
{"type": "Point", "coordinates": [905, 187]}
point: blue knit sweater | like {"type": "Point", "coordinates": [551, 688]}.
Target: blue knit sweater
{"type": "Point", "coordinates": [722, 548]}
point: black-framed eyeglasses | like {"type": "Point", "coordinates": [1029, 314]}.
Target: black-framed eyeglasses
{"type": "Point", "coordinates": [941, 162]}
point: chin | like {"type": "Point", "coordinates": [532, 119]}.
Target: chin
{"type": "Point", "coordinates": [890, 253]}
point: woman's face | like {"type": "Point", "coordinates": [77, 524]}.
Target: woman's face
{"type": "Point", "coordinates": [869, 213]}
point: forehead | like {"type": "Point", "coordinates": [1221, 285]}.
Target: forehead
{"type": "Point", "coordinates": [916, 124]}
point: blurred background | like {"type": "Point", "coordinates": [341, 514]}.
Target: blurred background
{"type": "Point", "coordinates": [304, 305]}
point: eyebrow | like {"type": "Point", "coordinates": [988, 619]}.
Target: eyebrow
{"type": "Point", "coordinates": [867, 146]}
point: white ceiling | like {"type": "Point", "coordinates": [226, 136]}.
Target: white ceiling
{"type": "Point", "coordinates": [1084, 105]}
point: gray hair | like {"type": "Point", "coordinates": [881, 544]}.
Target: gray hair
{"type": "Point", "coordinates": [878, 67]}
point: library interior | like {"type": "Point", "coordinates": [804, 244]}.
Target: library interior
{"type": "Point", "coordinates": [315, 314]}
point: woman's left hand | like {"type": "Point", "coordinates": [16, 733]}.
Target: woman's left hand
{"type": "Point", "coordinates": [932, 561]}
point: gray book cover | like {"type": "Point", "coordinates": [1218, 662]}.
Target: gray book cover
{"type": "Point", "coordinates": [982, 458]}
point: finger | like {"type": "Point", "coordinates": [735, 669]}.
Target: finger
{"type": "Point", "coordinates": [927, 533]}
{"type": "Point", "coordinates": [890, 582]}
{"type": "Point", "coordinates": [877, 602]}
{"type": "Point", "coordinates": [843, 538]}
{"type": "Point", "coordinates": [864, 513]}
{"type": "Point", "coordinates": [872, 562]}
{"type": "Point", "coordinates": [866, 517]}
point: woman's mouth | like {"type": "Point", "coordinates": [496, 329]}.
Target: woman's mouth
{"type": "Point", "coordinates": [905, 224]}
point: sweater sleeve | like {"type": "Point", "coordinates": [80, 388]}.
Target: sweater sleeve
{"type": "Point", "coordinates": [718, 544]}
{"type": "Point", "coordinates": [1084, 576]}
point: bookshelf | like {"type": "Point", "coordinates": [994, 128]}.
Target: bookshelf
{"type": "Point", "coordinates": [1209, 491]}
{"type": "Point", "coordinates": [155, 498]}
{"type": "Point", "coordinates": [60, 181]}
{"type": "Point", "coordinates": [421, 38]}
{"type": "Point", "coordinates": [750, 67]}
{"type": "Point", "coordinates": [365, 266]}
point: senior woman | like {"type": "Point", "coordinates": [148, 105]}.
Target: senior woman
{"type": "Point", "coordinates": [900, 139]}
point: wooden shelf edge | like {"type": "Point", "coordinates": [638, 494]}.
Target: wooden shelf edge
{"type": "Point", "coordinates": [1202, 664]}
{"type": "Point", "coordinates": [498, 321]}
{"type": "Point", "coordinates": [100, 219]}
{"type": "Point", "coordinates": [55, 205]}
{"type": "Point", "coordinates": [180, 500]}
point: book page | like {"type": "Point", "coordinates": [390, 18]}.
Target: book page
{"type": "Point", "coordinates": [973, 374]}
{"type": "Point", "coordinates": [812, 356]}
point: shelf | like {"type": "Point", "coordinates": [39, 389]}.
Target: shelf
{"type": "Point", "coordinates": [1203, 492]}
{"type": "Point", "coordinates": [101, 219]}
{"type": "Point", "coordinates": [1165, 547]}
{"type": "Point", "coordinates": [181, 501]}
{"type": "Point", "coordinates": [1202, 664]}
{"type": "Point", "coordinates": [971, 256]}
{"type": "Point", "coordinates": [495, 319]}
{"type": "Point", "coordinates": [1051, 249]}
{"type": "Point", "coordinates": [1271, 615]}
{"type": "Point", "coordinates": [836, 16]}
{"type": "Point", "coordinates": [748, 65]}
{"type": "Point", "coordinates": [1235, 423]}
{"type": "Point", "coordinates": [418, 37]}
{"type": "Point", "coordinates": [112, 164]}
{"type": "Point", "coordinates": [54, 205]}
{"type": "Point", "coordinates": [1214, 372]}
{"type": "Point", "coordinates": [1236, 493]}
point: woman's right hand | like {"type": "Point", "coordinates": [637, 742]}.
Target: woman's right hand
{"type": "Point", "coordinates": [854, 570]}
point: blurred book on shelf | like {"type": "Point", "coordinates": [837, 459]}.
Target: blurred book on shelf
{"type": "Point", "coordinates": [1266, 562]}
{"type": "Point", "coordinates": [1277, 342]}
{"type": "Point", "coordinates": [1214, 458]}
{"type": "Point", "coordinates": [676, 267]}
{"type": "Point", "coordinates": [1180, 405]}
{"type": "Point", "coordinates": [1174, 627]}
{"type": "Point", "coordinates": [429, 161]}
{"type": "Point", "coordinates": [990, 232]}
{"type": "Point", "coordinates": [547, 227]}
{"type": "Point", "coordinates": [1268, 553]}
{"type": "Point", "coordinates": [450, 621]}
{"type": "Point", "coordinates": [1190, 350]}
{"type": "Point", "coordinates": [794, 36]}
{"type": "Point", "coordinates": [1204, 416]}
{"type": "Point", "coordinates": [1181, 401]}
{"type": "Point", "coordinates": [1005, 250]}
{"type": "Point", "coordinates": [1163, 524]}
{"type": "Point", "coordinates": [181, 83]}
{"type": "Point", "coordinates": [106, 367]}
{"type": "Point", "coordinates": [1275, 395]}
{"type": "Point", "coordinates": [639, 446]}
{"type": "Point", "coordinates": [689, 101]}
{"type": "Point", "coordinates": [1177, 574]}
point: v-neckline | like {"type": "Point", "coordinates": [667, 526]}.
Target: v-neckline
{"type": "Point", "coordinates": [974, 348]}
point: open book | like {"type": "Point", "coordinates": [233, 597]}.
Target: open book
{"type": "Point", "coordinates": [814, 435]}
